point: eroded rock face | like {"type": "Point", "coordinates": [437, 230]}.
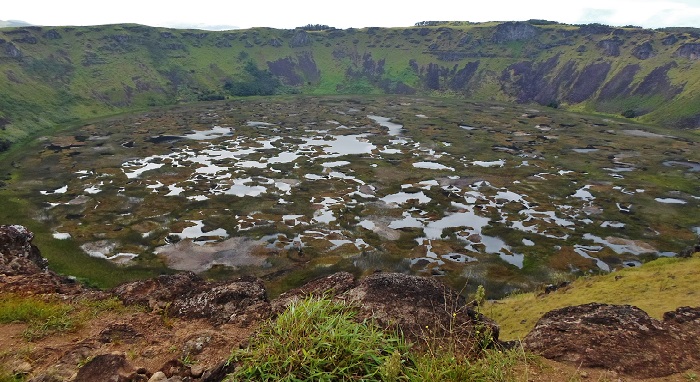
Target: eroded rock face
{"type": "Point", "coordinates": [615, 337]}
{"type": "Point", "coordinates": [23, 270]}
{"type": "Point", "coordinates": [514, 31]}
{"type": "Point", "coordinates": [610, 47]}
{"type": "Point", "coordinates": [186, 295]}
{"type": "Point", "coordinates": [242, 302]}
{"type": "Point", "coordinates": [300, 39]}
{"type": "Point", "coordinates": [17, 253]}
{"type": "Point", "coordinates": [691, 51]}
{"type": "Point", "coordinates": [644, 51]}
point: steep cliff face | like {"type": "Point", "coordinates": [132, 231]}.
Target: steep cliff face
{"type": "Point", "coordinates": [60, 74]}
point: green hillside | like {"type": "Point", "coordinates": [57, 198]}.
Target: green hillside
{"type": "Point", "coordinates": [54, 75]}
{"type": "Point", "coordinates": [657, 287]}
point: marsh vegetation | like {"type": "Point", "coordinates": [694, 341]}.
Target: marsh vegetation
{"type": "Point", "coordinates": [289, 188]}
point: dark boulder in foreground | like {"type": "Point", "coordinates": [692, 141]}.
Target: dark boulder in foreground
{"type": "Point", "coordinates": [420, 307]}
{"type": "Point", "coordinates": [618, 337]}
{"type": "Point", "coordinates": [186, 295]}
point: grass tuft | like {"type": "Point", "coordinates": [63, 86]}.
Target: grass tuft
{"type": "Point", "coordinates": [42, 316]}
{"type": "Point", "coordinates": [318, 339]}
{"type": "Point", "coordinates": [45, 317]}
{"type": "Point", "coordinates": [20, 309]}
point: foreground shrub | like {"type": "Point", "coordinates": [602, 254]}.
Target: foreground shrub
{"type": "Point", "coordinates": [317, 339]}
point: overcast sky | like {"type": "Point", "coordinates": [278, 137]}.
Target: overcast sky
{"type": "Point", "coordinates": [229, 14]}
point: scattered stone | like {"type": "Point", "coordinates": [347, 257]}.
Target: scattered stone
{"type": "Point", "coordinates": [175, 367]}
{"type": "Point", "coordinates": [106, 367]}
{"type": "Point", "coordinates": [158, 376]}
{"type": "Point", "coordinates": [196, 370]}
{"type": "Point", "coordinates": [554, 287]}
{"type": "Point", "coordinates": [119, 333]}
{"type": "Point", "coordinates": [22, 368]}
{"type": "Point", "coordinates": [196, 344]}
{"type": "Point", "coordinates": [219, 372]}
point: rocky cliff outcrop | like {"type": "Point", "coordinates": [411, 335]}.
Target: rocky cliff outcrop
{"type": "Point", "coordinates": [514, 31]}
{"type": "Point", "coordinates": [17, 253]}
{"type": "Point", "coordinates": [24, 270]}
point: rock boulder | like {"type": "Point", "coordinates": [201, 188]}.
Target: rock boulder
{"type": "Point", "coordinates": [242, 301]}
{"type": "Point", "coordinates": [17, 253]}
{"type": "Point", "coordinates": [615, 337]}
{"type": "Point", "coordinates": [421, 307]}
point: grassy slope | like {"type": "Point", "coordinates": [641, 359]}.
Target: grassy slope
{"type": "Point", "coordinates": [97, 71]}
{"type": "Point", "coordinates": [658, 286]}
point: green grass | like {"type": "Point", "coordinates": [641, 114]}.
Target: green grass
{"type": "Point", "coordinates": [42, 317]}
{"type": "Point", "coordinates": [658, 286]}
{"type": "Point", "coordinates": [6, 376]}
{"type": "Point", "coordinates": [45, 317]}
{"type": "Point", "coordinates": [317, 340]}
{"type": "Point", "coordinates": [14, 309]}
{"type": "Point", "coordinates": [320, 340]}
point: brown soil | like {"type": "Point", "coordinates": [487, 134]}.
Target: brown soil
{"type": "Point", "coordinates": [148, 340]}
{"type": "Point", "coordinates": [159, 341]}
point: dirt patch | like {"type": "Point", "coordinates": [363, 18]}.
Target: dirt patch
{"type": "Point", "coordinates": [153, 342]}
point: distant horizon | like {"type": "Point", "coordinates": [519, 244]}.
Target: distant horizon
{"type": "Point", "coordinates": [223, 15]}
{"type": "Point", "coordinates": [220, 28]}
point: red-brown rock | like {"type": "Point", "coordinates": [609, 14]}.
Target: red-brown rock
{"type": "Point", "coordinates": [614, 337]}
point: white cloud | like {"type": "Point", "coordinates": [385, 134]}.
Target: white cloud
{"type": "Point", "coordinates": [357, 13]}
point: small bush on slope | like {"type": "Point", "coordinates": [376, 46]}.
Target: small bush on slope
{"type": "Point", "coordinates": [317, 339]}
